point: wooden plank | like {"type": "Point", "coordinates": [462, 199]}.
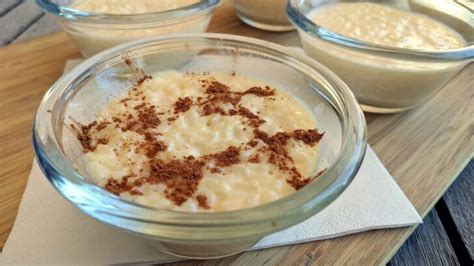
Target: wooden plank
{"type": "Point", "coordinates": [7, 5]}
{"type": "Point", "coordinates": [428, 245]}
{"type": "Point", "coordinates": [459, 200]}
{"type": "Point", "coordinates": [19, 19]}
{"type": "Point", "coordinates": [441, 129]}
{"type": "Point", "coordinates": [45, 25]}
{"type": "Point", "coordinates": [26, 71]}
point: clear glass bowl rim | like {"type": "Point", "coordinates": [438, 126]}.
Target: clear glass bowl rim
{"type": "Point", "coordinates": [344, 168]}
{"type": "Point", "coordinates": [301, 22]}
{"type": "Point", "coordinates": [68, 13]}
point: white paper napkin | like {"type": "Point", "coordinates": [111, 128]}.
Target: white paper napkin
{"type": "Point", "coordinates": [48, 229]}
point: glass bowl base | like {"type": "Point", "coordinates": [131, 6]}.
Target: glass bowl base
{"type": "Point", "coordinates": [265, 26]}
{"type": "Point", "coordinates": [383, 110]}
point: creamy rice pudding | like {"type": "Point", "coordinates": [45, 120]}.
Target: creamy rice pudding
{"type": "Point", "coordinates": [384, 25]}
{"type": "Point", "coordinates": [92, 38]}
{"type": "Point", "coordinates": [201, 142]}
{"type": "Point", "coordinates": [384, 83]}
{"type": "Point", "coordinates": [130, 7]}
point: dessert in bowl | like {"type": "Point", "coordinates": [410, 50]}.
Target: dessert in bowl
{"type": "Point", "coordinates": [97, 25]}
{"type": "Point", "coordinates": [394, 55]}
{"type": "Point", "coordinates": [202, 144]}
{"type": "Point", "coordinates": [264, 14]}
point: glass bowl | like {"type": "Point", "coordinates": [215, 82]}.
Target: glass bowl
{"type": "Point", "coordinates": [264, 14]}
{"type": "Point", "coordinates": [94, 32]}
{"type": "Point", "coordinates": [81, 94]}
{"type": "Point", "coordinates": [386, 79]}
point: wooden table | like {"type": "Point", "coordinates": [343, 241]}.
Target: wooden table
{"type": "Point", "coordinates": [425, 150]}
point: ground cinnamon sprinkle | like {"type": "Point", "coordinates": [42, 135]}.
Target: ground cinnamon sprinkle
{"type": "Point", "coordinates": [255, 159]}
{"type": "Point", "coordinates": [227, 97]}
{"type": "Point", "coordinates": [118, 187]}
{"type": "Point", "coordinates": [181, 176]}
{"type": "Point", "coordinates": [102, 141]}
{"type": "Point", "coordinates": [260, 92]}
{"type": "Point", "coordinates": [202, 201]}
{"type": "Point", "coordinates": [216, 170]}
{"type": "Point", "coordinates": [214, 87]}
{"type": "Point", "coordinates": [146, 118]}
{"type": "Point", "coordinates": [116, 120]}
{"type": "Point", "coordinates": [135, 192]}
{"type": "Point", "coordinates": [182, 105]}
{"type": "Point", "coordinates": [253, 120]}
{"type": "Point", "coordinates": [142, 79]}
{"type": "Point", "coordinates": [228, 157]}
{"type": "Point", "coordinates": [84, 134]}
{"type": "Point", "coordinates": [102, 125]}
{"type": "Point", "coordinates": [151, 146]}
{"type": "Point", "coordinates": [310, 137]}
{"type": "Point", "coordinates": [298, 182]}
{"type": "Point", "coordinates": [278, 155]}
{"type": "Point", "coordinates": [209, 109]}
{"type": "Point", "coordinates": [125, 100]}
{"type": "Point", "coordinates": [218, 93]}
{"type": "Point", "coordinates": [252, 143]}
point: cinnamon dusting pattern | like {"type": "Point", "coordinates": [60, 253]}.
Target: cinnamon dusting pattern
{"type": "Point", "coordinates": [181, 176]}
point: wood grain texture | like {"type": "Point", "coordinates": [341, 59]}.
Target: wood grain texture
{"type": "Point", "coordinates": [426, 246]}
{"type": "Point", "coordinates": [460, 202]}
{"type": "Point", "coordinates": [26, 72]}
{"type": "Point", "coordinates": [21, 17]}
{"type": "Point", "coordinates": [424, 148]}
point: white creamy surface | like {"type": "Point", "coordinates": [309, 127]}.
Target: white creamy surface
{"type": "Point", "coordinates": [384, 83]}
{"type": "Point", "coordinates": [238, 186]}
{"type": "Point", "coordinates": [384, 25]}
{"type": "Point", "coordinates": [130, 6]}
{"type": "Point", "coordinates": [92, 38]}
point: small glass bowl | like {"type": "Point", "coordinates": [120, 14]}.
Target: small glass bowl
{"type": "Point", "coordinates": [386, 79]}
{"type": "Point", "coordinates": [264, 14]}
{"type": "Point", "coordinates": [94, 32]}
{"type": "Point", "coordinates": [81, 94]}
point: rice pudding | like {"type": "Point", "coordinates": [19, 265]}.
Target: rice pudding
{"type": "Point", "coordinates": [384, 25]}
{"type": "Point", "coordinates": [127, 7]}
{"type": "Point", "coordinates": [201, 142]}
{"type": "Point", "coordinates": [264, 14]}
{"type": "Point", "coordinates": [114, 28]}
{"type": "Point", "coordinates": [384, 82]}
